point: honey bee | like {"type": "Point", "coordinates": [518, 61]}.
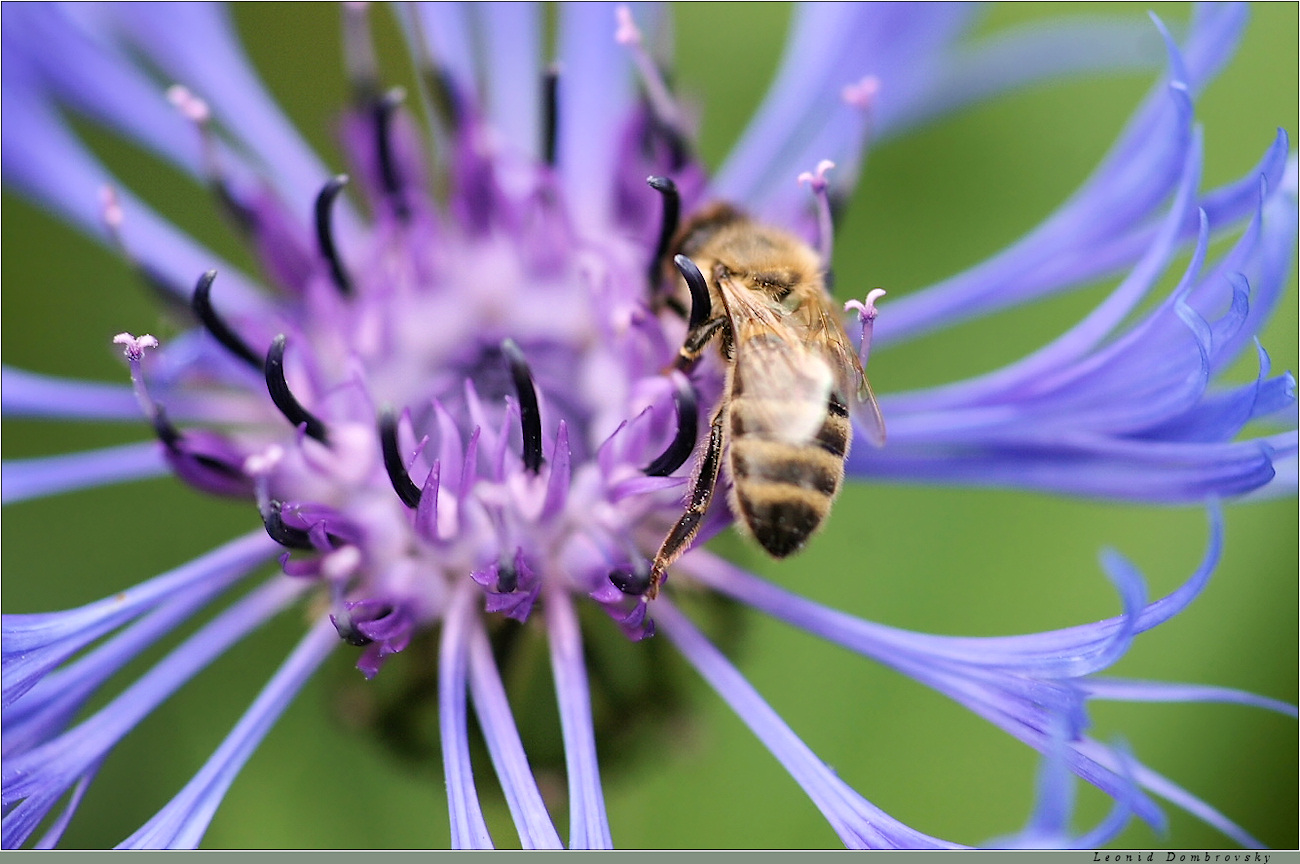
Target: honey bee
{"type": "Point", "coordinates": [793, 380]}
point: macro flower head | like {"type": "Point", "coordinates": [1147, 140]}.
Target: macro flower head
{"type": "Point", "coordinates": [459, 381]}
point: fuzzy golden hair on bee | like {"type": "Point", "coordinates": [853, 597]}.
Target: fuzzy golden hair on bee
{"type": "Point", "coordinates": [781, 430]}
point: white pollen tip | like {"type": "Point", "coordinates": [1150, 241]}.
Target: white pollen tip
{"type": "Point", "coordinates": [341, 563]}
{"type": "Point", "coordinates": [111, 208]}
{"type": "Point", "coordinates": [627, 32]}
{"type": "Point", "coordinates": [263, 463]}
{"type": "Point", "coordinates": [192, 108]}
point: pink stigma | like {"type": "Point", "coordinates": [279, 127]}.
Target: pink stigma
{"type": "Point", "coordinates": [862, 94]}
{"type": "Point", "coordinates": [134, 347]}
{"type": "Point", "coordinates": [866, 310]}
{"type": "Point", "coordinates": [627, 32]}
{"type": "Point", "coordinates": [191, 107]}
{"type": "Point", "coordinates": [818, 180]}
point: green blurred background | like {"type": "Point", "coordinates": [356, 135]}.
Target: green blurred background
{"type": "Point", "coordinates": [937, 560]}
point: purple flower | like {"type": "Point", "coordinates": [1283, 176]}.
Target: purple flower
{"type": "Point", "coordinates": [450, 408]}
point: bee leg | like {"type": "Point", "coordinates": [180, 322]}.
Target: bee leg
{"type": "Point", "coordinates": [706, 480]}
{"type": "Point", "coordinates": [696, 341]}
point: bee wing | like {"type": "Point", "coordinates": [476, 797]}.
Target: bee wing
{"type": "Point", "coordinates": [850, 380]}
{"type": "Point", "coordinates": [780, 384]}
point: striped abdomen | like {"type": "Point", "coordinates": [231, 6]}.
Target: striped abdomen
{"type": "Point", "coordinates": [783, 489]}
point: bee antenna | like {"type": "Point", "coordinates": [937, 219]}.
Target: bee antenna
{"type": "Point", "coordinates": [397, 475]}
{"type": "Point", "coordinates": [289, 406]}
{"type": "Point", "coordinates": [329, 193]}
{"type": "Point", "coordinates": [672, 199]}
{"type": "Point", "coordinates": [701, 306]}
{"type": "Point", "coordinates": [530, 415]}
{"type": "Point", "coordinates": [201, 304]}
{"type": "Point", "coordinates": [688, 420]}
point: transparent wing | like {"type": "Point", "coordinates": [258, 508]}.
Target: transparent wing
{"type": "Point", "coordinates": [824, 329]}
{"type": "Point", "coordinates": [780, 383]}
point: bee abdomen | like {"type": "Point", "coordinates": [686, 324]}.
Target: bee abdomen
{"type": "Point", "coordinates": [783, 491]}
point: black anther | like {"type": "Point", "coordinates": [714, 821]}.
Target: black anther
{"type": "Point", "coordinates": [668, 224]}
{"type": "Point", "coordinates": [384, 111]}
{"type": "Point", "coordinates": [633, 582]}
{"type": "Point", "coordinates": [292, 538]}
{"type": "Point", "coordinates": [173, 438]}
{"type": "Point", "coordinates": [201, 303]}
{"type": "Point", "coordinates": [350, 634]}
{"type": "Point", "coordinates": [507, 578]}
{"type": "Point", "coordinates": [402, 483]}
{"type": "Point", "coordinates": [671, 139]}
{"type": "Point", "coordinates": [329, 193]}
{"type": "Point", "coordinates": [290, 407]}
{"type": "Point", "coordinates": [701, 305]}
{"type": "Point", "coordinates": [168, 434]}
{"type": "Point", "coordinates": [443, 96]}
{"type": "Point", "coordinates": [550, 113]}
{"type": "Point", "coordinates": [683, 443]}
{"type": "Point", "coordinates": [530, 415]}
{"type": "Point", "coordinates": [349, 629]}
{"type": "Point", "coordinates": [243, 216]}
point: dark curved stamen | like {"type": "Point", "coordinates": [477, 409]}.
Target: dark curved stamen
{"type": "Point", "coordinates": [671, 139]}
{"type": "Point", "coordinates": [402, 483]}
{"type": "Point", "coordinates": [550, 113]}
{"type": "Point", "coordinates": [384, 111]}
{"type": "Point", "coordinates": [530, 415]}
{"type": "Point", "coordinates": [633, 582]}
{"type": "Point", "coordinates": [163, 289]}
{"type": "Point", "coordinates": [325, 232]}
{"type": "Point", "coordinates": [348, 625]}
{"type": "Point", "coordinates": [672, 199]}
{"type": "Point", "coordinates": [292, 538]}
{"type": "Point", "coordinates": [290, 407]}
{"type": "Point", "coordinates": [240, 214]}
{"type": "Point", "coordinates": [359, 54]}
{"type": "Point", "coordinates": [173, 439]}
{"type": "Point", "coordinates": [349, 633]}
{"type": "Point", "coordinates": [201, 303]}
{"type": "Point", "coordinates": [439, 93]}
{"type": "Point", "coordinates": [507, 578]}
{"type": "Point", "coordinates": [168, 434]}
{"type": "Point", "coordinates": [701, 305]}
{"type": "Point", "coordinates": [683, 443]}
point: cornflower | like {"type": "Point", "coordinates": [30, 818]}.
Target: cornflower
{"type": "Point", "coordinates": [451, 414]}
